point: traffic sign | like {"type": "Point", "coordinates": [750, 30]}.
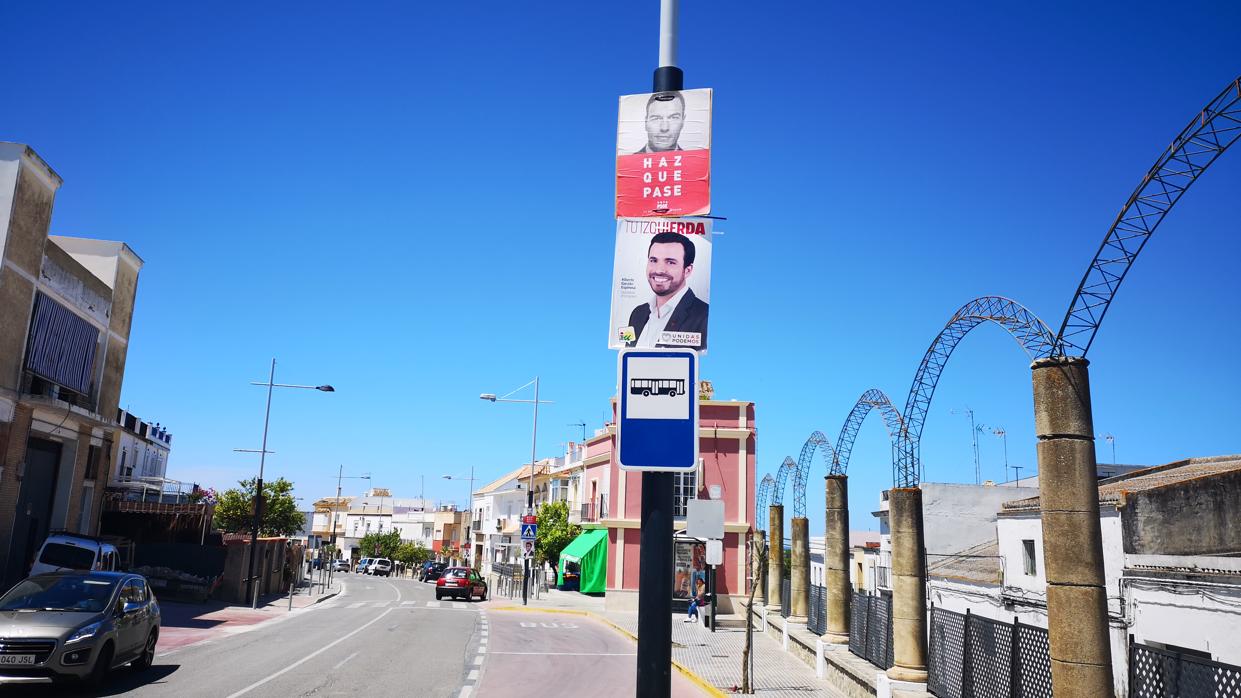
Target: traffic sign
{"type": "Point", "coordinates": [528, 531]}
{"type": "Point", "coordinates": [658, 427]}
{"type": "Point", "coordinates": [529, 519]}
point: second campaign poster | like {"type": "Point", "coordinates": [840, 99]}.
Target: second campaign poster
{"type": "Point", "coordinates": [661, 283]}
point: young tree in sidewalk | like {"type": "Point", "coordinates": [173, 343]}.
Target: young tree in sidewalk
{"type": "Point", "coordinates": [380, 544]}
{"type": "Point", "coordinates": [758, 549]}
{"type": "Point", "coordinates": [555, 532]}
{"type": "Point", "coordinates": [234, 509]}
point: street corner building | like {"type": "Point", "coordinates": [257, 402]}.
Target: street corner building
{"type": "Point", "coordinates": [66, 306]}
{"type": "Point", "coordinates": [727, 459]}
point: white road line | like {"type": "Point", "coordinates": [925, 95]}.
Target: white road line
{"type": "Point", "coordinates": [342, 662]}
{"type": "Point", "coordinates": [458, 604]}
{"type": "Point", "coordinates": [433, 604]}
{"type": "Point", "coordinates": [310, 656]}
{"type": "Point", "coordinates": [359, 604]}
{"type": "Point", "coordinates": [465, 691]}
{"type": "Point", "coordinates": [408, 603]}
{"type": "Point", "coordinates": [380, 604]}
{"type": "Point", "coordinates": [479, 659]}
{"type": "Point", "coordinates": [573, 654]}
{"type": "Point", "coordinates": [473, 675]}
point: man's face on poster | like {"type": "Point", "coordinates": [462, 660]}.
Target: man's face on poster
{"type": "Point", "coordinates": [665, 268]}
{"type": "Point", "coordinates": [664, 120]}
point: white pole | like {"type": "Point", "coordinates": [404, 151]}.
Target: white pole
{"type": "Point", "coordinates": [668, 11]}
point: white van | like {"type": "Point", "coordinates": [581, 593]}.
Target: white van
{"type": "Point", "coordinates": [70, 551]}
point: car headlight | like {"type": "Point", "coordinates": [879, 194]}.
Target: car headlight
{"type": "Point", "coordinates": [84, 633]}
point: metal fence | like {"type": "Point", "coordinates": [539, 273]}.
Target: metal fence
{"type": "Point", "coordinates": [870, 629]}
{"type": "Point", "coordinates": [1159, 673]}
{"type": "Point", "coordinates": [786, 597]}
{"type": "Point", "coordinates": [976, 657]}
{"type": "Point", "coordinates": [817, 613]}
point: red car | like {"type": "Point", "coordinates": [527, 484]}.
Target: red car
{"type": "Point", "coordinates": [461, 582]}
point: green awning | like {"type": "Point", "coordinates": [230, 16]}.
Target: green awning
{"type": "Point", "coordinates": [590, 551]}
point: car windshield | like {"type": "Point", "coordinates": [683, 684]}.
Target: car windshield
{"type": "Point", "coordinates": [60, 593]}
{"type": "Point", "coordinates": [70, 556]}
{"type": "Point", "coordinates": [455, 572]}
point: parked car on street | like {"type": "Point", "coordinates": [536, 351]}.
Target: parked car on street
{"type": "Point", "coordinates": [461, 582]}
{"type": "Point", "coordinates": [76, 625]}
{"type": "Point", "coordinates": [381, 567]}
{"type": "Point", "coordinates": [340, 565]}
{"type": "Point", "coordinates": [362, 565]}
{"type": "Point", "coordinates": [431, 571]}
{"type": "Point", "coordinates": [70, 551]}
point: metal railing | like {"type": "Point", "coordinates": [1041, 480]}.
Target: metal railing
{"type": "Point", "coordinates": [1159, 673]}
{"type": "Point", "coordinates": [870, 629]}
{"type": "Point", "coordinates": [976, 657]}
{"type": "Point", "coordinates": [507, 581]}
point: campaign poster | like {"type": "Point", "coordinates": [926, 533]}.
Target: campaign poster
{"type": "Point", "coordinates": [663, 154]}
{"type": "Point", "coordinates": [661, 283]}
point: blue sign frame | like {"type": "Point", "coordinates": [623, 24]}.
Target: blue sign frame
{"type": "Point", "coordinates": [658, 444]}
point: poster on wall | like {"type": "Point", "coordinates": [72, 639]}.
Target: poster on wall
{"type": "Point", "coordinates": [661, 283]}
{"type": "Point", "coordinates": [690, 570]}
{"type": "Point", "coordinates": [663, 154]}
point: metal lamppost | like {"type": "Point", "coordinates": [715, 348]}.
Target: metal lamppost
{"type": "Point", "coordinates": [252, 588]}
{"type": "Point", "coordinates": [525, 582]}
{"type": "Point", "coordinates": [1003, 434]}
{"type": "Point", "coordinates": [469, 508]}
{"type": "Point", "coordinates": [341, 476]}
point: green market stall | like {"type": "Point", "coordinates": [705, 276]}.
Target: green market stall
{"type": "Point", "coordinates": [589, 553]}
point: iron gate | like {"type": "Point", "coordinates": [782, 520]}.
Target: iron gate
{"type": "Point", "coordinates": [817, 613]}
{"type": "Point", "coordinates": [1158, 673]}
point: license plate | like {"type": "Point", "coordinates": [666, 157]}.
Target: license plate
{"type": "Point", "coordinates": [16, 659]}
{"type": "Point", "coordinates": [450, 584]}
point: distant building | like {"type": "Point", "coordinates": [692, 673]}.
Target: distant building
{"type": "Point", "coordinates": [66, 306]}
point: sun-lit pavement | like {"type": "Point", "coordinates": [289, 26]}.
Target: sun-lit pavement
{"type": "Point", "coordinates": [184, 624]}
{"type": "Point", "coordinates": [532, 654]}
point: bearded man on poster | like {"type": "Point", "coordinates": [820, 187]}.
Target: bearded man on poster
{"type": "Point", "coordinates": [674, 307]}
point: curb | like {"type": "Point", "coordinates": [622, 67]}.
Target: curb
{"type": "Point", "coordinates": [681, 668]}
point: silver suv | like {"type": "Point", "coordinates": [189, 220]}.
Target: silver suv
{"type": "Point", "coordinates": [76, 625]}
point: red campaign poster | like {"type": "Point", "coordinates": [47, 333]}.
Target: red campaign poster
{"type": "Point", "coordinates": [663, 154]}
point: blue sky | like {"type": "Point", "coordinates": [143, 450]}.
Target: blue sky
{"type": "Point", "coordinates": [415, 205]}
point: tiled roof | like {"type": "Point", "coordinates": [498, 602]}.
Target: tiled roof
{"type": "Point", "coordinates": [1111, 490]}
{"type": "Point", "coordinates": [521, 473]}
{"type": "Point", "coordinates": [980, 563]}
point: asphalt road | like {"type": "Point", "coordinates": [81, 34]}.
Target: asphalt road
{"type": "Point", "coordinates": [380, 637]}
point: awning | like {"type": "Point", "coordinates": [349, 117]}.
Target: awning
{"type": "Point", "coordinates": [590, 551]}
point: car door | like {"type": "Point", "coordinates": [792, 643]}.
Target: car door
{"type": "Point", "coordinates": [130, 626]}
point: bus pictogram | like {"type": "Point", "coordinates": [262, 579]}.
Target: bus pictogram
{"type": "Point", "coordinates": [657, 386]}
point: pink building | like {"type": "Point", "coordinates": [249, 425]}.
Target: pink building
{"type": "Point", "coordinates": [726, 445]}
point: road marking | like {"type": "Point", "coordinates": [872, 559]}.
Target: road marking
{"type": "Point", "coordinates": [408, 603]}
{"type": "Point", "coordinates": [433, 604]}
{"type": "Point", "coordinates": [342, 662]}
{"type": "Point", "coordinates": [473, 675]}
{"type": "Point", "coordinates": [573, 653]}
{"type": "Point", "coordinates": [310, 656]}
{"type": "Point", "coordinates": [465, 691]}
{"type": "Point", "coordinates": [458, 604]}
{"type": "Point", "coordinates": [380, 604]}
{"type": "Point", "coordinates": [478, 660]}
{"type": "Point", "coordinates": [359, 604]}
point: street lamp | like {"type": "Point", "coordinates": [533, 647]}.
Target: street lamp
{"type": "Point", "coordinates": [534, 435]}
{"type": "Point", "coordinates": [469, 507]}
{"type": "Point", "coordinates": [252, 588]}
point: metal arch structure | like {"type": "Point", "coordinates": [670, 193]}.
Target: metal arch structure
{"type": "Point", "coordinates": [782, 476]}
{"type": "Point", "coordinates": [1030, 332]}
{"type": "Point", "coordinates": [871, 399]}
{"type": "Point", "coordinates": [802, 472]}
{"type": "Point", "coordinates": [760, 502]}
{"type": "Point", "coordinates": [1208, 135]}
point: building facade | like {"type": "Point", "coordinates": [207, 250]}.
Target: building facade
{"type": "Point", "coordinates": [66, 308]}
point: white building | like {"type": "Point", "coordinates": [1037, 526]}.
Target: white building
{"type": "Point", "coordinates": [498, 508]}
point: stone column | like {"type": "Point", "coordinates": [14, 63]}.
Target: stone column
{"type": "Point", "coordinates": [836, 560]}
{"type": "Point", "coordinates": [799, 571]}
{"type": "Point", "coordinates": [908, 585]}
{"type": "Point", "coordinates": [1081, 657]}
{"type": "Point", "coordinates": [775, 556]}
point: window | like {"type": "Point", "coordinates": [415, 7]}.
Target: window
{"type": "Point", "coordinates": [84, 520]}
{"type": "Point", "coordinates": [1028, 557]}
{"type": "Point", "coordinates": [685, 488]}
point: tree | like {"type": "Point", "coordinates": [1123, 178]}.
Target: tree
{"type": "Point", "coordinates": [555, 532]}
{"type": "Point", "coordinates": [380, 544]}
{"type": "Point", "coordinates": [411, 554]}
{"type": "Point", "coordinates": [759, 550]}
{"type": "Point", "coordinates": [234, 510]}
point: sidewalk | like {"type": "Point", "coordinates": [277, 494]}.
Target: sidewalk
{"type": "Point", "coordinates": [185, 624]}
{"type": "Point", "coordinates": [713, 659]}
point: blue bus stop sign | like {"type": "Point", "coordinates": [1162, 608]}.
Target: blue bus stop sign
{"type": "Point", "coordinates": [658, 425]}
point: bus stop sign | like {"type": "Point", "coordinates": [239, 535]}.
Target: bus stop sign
{"type": "Point", "coordinates": [657, 428]}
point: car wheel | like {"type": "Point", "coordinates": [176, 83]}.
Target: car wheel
{"type": "Point", "coordinates": [103, 664]}
{"type": "Point", "coordinates": [147, 658]}
{"type": "Point", "coordinates": [438, 596]}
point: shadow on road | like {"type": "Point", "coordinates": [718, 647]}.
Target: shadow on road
{"type": "Point", "coordinates": [120, 682]}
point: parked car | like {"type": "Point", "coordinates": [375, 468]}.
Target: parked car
{"type": "Point", "coordinates": [71, 551]}
{"type": "Point", "coordinates": [362, 565]}
{"type": "Point", "coordinates": [431, 571]}
{"type": "Point", "coordinates": [340, 565]}
{"type": "Point", "coordinates": [461, 582]}
{"type": "Point", "coordinates": [381, 567]}
{"type": "Point", "coordinates": [77, 625]}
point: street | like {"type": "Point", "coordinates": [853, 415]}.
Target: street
{"type": "Point", "coordinates": [379, 637]}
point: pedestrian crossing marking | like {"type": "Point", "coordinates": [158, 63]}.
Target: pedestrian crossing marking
{"type": "Point", "coordinates": [433, 604]}
{"type": "Point", "coordinates": [408, 603]}
{"type": "Point", "coordinates": [459, 604]}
